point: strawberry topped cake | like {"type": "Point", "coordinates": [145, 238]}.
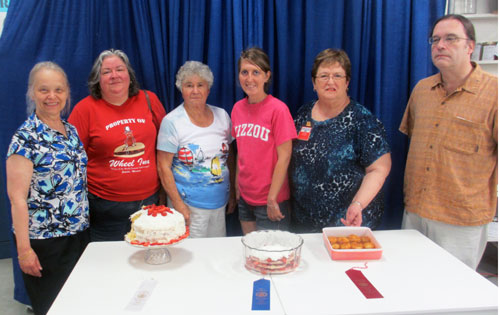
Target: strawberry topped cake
{"type": "Point", "coordinates": [157, 225]}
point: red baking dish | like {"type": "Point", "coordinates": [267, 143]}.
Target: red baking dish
{"type": "Point", "coordinates": [351, 254]}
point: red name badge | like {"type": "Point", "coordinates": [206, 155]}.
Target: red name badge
{"type": "Point", "coordinates": [365, 286]}
{"type": "Point", "coordinates": [305, 132]}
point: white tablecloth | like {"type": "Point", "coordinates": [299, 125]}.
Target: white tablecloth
{"type": "Point", "coordinates": [207, 276]}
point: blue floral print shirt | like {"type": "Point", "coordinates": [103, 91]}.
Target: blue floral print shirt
{"type": "Point", "coordinates": [57, 199]}
{"type": "Point", "coordinates": [327, 170]}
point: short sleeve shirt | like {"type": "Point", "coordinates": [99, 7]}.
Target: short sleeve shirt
{"type": "Point", "coordinates": [120, 142]}
{"type": "Point", "coordinates": [57, 199]}
{"type": "Point", "coordinates": [327, 170]}
{"type": "Point", "coordinates": [452, 164]}
{"type": "Point", "coordinates": [259, 129]}
{"type": "Point", "coordinates": [199, 165]}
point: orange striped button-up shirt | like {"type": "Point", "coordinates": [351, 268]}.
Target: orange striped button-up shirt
{"type": "Point", "coordinates": [451, 169]}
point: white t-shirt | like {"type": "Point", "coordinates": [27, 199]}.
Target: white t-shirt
{"type": "Point", "coordinates": [200, 162]}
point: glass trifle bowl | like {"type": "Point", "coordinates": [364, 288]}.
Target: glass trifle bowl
{"type": "Point", "coordinates": [272, 252]}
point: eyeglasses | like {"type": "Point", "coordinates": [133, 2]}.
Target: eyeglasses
{"type": "Point", "coordinates": [448, 39]}
{"type": "Point", "coordinates": [326, 77]}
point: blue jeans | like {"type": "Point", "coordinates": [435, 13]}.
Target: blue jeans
{"type": "Point", "coordinates": [110, 220]}
{"type": "Point", "coordinates": [259, 215]}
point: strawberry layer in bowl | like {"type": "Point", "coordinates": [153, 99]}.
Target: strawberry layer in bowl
{"type": "Point", "coordinates": [272, 252]}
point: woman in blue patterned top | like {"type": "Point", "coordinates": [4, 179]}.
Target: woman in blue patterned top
{"type": "Point", "coordinates": [341, 157]}
{"type": "Point", "coordinates": [47, 188]}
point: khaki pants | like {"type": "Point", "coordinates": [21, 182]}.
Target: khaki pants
{"type": "Point", "coordinates": [206, 222]}
{"type": "Point", "coordinates": [467, 243]}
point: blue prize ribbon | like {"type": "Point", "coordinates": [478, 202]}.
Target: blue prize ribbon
{"type": "Point", "coordinates": [261, 298]}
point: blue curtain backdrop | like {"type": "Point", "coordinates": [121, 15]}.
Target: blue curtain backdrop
{"type": "Point", "coordinates": [385, 39]}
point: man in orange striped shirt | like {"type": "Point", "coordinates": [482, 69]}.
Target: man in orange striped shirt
{"type": "Point", "coordinates": [451, 170]}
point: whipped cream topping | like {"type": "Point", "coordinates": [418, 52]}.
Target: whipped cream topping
{"type": "Point", "coordinates": [158, 228]}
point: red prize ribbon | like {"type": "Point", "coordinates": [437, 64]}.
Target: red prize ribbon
{"type": "Point", "coordinates": [363, 284]}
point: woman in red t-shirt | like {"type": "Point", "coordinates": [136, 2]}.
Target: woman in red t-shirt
{"type": "Point", "coordinates": [118, 124]}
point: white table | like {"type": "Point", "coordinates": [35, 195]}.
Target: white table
{"type": "Point", "coordinates": [207, 276]}
{"type": "Point", "coordinates": [414, 275]}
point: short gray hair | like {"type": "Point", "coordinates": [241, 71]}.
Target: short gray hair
{"type": "Point", "coordinates": [190, 68]}
{"type": "Point", "coordinates": [95, 74]}
{"type": "Point", "coordinates": [45, 65]}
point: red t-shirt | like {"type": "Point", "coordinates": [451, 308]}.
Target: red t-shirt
{"type": "Point", "coordinates": [120, 142]}
{"type": "Point", "coordinates": [259, 129]}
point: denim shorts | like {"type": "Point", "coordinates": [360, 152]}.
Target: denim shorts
{"type": "Point", "coordinates": [259, 215]}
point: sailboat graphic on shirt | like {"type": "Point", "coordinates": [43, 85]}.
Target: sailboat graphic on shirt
{"type": "Point", "coordinates": [185, 156]}
{"type": "Point", "coordinates": [203, 168]}
{"type": "Point", "coordinates": [200, 156]}
{"type": "Point", "coordinates": [216, 170]}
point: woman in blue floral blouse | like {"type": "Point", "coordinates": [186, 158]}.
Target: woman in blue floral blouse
{"type": "Point", "coordinates": [341, 157]}
{"type": "Point", "coordinates": [47, 188]}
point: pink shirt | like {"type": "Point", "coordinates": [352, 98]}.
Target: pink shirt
{"type": "Point", "coordinates": [259, 129]}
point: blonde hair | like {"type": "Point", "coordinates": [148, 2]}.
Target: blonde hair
{"type": "Point", "coordinates": [45, 65]}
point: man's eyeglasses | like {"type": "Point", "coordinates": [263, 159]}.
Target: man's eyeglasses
{"type": "Point", "coordinates": [448, 39]}
{"type": "Point", "coordinates": [326, 77]}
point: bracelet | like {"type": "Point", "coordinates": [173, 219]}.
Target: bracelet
{"type": "Point", "coordinates": [358, 203]}
{"type": "Point", "coordinates": [23, 256]}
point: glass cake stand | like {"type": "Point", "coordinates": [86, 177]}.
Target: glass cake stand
{"type": "Point", "coordinates": [157, 254]}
